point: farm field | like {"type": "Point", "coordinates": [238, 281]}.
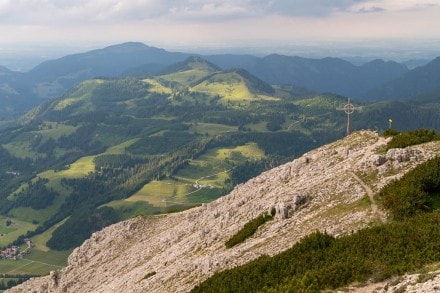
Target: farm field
{"type": "Point", "coordinates": [27, 266]}
{"type": "Point", "coordinates": [141, 146]}
{"type": "Point", "coordinates": [15, 229]}
{"type": "Point", "coordinates": [203, 180]}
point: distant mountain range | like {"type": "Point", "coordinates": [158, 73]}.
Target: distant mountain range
{"type": "Point", "coordinates": [376, 80]}
{"type": "Point", "coordinates": [415, 82]}
{"type": "Point", "coordinates": [325, 75]}
{"type": "Point", "coordinates": [111, 148]}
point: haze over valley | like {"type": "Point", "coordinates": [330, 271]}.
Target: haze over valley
{"type": "Point", "coordinates": [219, 146]}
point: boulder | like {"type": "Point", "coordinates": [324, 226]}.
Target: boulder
{"type": "Point", "coordinates": [399, 155]}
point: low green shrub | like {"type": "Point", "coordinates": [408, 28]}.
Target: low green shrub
{"type": "Point", "coordinates": [320, 261]}
{"type": "Point", "coordinates": [414, 137]}
{"type": "Point", "coordinates": [248, 230]}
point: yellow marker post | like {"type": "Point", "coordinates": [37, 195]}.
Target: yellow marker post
{"type": "Point", "coordinates": [389, 122]}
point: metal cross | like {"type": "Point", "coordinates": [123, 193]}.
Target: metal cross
{"type": "Point", "coordinates": [349, 109]}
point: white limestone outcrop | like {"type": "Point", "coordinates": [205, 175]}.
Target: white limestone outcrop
{"type": "Point", "coordinates": [175, 252]}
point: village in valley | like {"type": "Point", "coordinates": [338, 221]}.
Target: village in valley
{"type": "Point", "coordinates": [13, 252]}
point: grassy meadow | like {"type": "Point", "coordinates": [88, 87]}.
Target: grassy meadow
{"type": "Point", "coordinates": [15, 229]}
{"type": "Point", "coordinates": [209, 171]}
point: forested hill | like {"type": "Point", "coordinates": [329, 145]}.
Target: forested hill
{"type": "Point", "coordinates": [113, 148]}
{"type": "Point", "coordinates": [21, 91]}
{"type": "Point", "coordinates": [51, 79]}
{"type": "Point", "coordinates": [418, 81]}
{"type": "Point", "coordinates": [326, 74]}
{"type": "Point", "coordinates": [315, 223]}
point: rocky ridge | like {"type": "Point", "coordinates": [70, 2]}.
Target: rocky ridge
{"type": "Point", "coordinates": [328, 189]}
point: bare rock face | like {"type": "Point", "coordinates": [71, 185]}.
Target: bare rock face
{"type": "Point", "coordinates": [399, 155]}
{"type": "Point", "coordinates": [322, 190]}
{"type": "Point", "coordinates": [378, 160]}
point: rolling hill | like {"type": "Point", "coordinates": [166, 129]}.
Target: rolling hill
{"type": "Point", "coordinates": [113, 148]}
{"type": "Point", "coordinates": [52, 78]}
{"type": "Point", "coordinates": [325, 230]}
{"type": "Point", "coordinates": [19, 92]}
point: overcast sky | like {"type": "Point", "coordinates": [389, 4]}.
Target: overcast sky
{"type": "Point", "coordinates": [186, 24]}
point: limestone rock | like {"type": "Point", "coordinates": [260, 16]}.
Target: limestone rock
{"type": "Point", "coordinates": [182, 249]}
{"type": "Point", "coordinates": [399, 155]}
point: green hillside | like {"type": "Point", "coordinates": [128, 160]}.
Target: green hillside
{"type": "Point", "coordinates": [110, 149]}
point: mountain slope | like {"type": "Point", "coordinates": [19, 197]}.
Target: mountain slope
{"type": "Point", "coordinates": [418, 81]}
{"type": "Point", "coordinates": [327, 189]}
{"type": "Point", "coordinates": [53, 78]}
{"type": "Point", "coordinates": [325, 75]}
{"type": "Point", "coordinates": [140, 146]}
{"type": "Point", "coordinates": [110, 61]}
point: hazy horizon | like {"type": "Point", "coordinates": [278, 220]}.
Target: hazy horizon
{"type": "Point", "coordinates": [24, 57]}
{"type": "Point", "coordinates": [38, 30]}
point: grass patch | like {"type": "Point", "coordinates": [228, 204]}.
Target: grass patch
{"type": "Point", "coordinates": [82, 91]}
{"type": "Point", "coordinates": [19, 228]}
{"type": "Point", "coordinates": [26, 267]}
{"type": "Point", "coordinates": [53, 259]}
{"type": "Point", "coordinates": [368, 177]}
{"type": "Point", "coordinates": [36, 263]}
{"type": "Point", "coordinates": [209, 169]}
{"type": "Point", "coordinates": [41, 239]}
{"type": "Point", "coordinates": [158, 193]}
{"type": "Point", "coordinates": [185, 77]}
{"type": "Point", "coordinates": [21, 146]}
{"type": "Point", "coordinates": [258, 127]}
{"type": "Point", "coordinates": [157, 87]}
{"type": "Point", "coordinates": [343, 209]}
{"type": "Point", "coordinates": [217, 161]}
{"type": "Point", "coordinates": [211, 129]}
{"type": "Point", "coordinates": [81, 168]}
{"type": "Point", "coordinates": [248, 230]}
{"type": "Point", "coordinates": [6, 230]}
{"type": "Point", "coordinates": [54, 129]}
{"type": "Point", "coordinates": [129, 209]}
{"type": "Point", "coordinates": [120, 149]}
{"type": "Point", "coordinates": [31, 215]}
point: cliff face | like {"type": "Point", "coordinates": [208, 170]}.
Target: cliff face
{"type": "Point", "coordinates": [328, 189]}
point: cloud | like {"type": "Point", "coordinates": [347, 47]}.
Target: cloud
{"type": "Point", "coordinates": [310, 8]}
{"type": "Point", "coordinates": [372, 9]}
{"type": "Point", "coordinates": [68, 12]}
{"type": "Point", "coordinates": [224, 22]}
{"type": "Point", "coordinates": [394, 6]}
{"type": "Point", "coordinates": [39, 12]}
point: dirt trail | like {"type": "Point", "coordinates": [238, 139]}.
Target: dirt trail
{"type": "Point", "coordinates": [370, 193]}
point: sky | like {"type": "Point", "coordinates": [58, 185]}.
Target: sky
{"type": "Point", "coordinates": [409, 26]}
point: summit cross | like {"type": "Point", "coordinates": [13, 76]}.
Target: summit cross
{"type": "Point", "coordinates": [349, 109]}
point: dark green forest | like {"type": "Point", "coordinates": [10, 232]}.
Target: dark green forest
{"type": "Point", "coordinates": [170, 126]}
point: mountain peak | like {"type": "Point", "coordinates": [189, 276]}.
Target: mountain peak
{"type": "Point", "coordinates": [129, 47]}
{"type": "Point", "coordinates": [191, 63]}
{"type": "Point", "coordinates": [319, 191]}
